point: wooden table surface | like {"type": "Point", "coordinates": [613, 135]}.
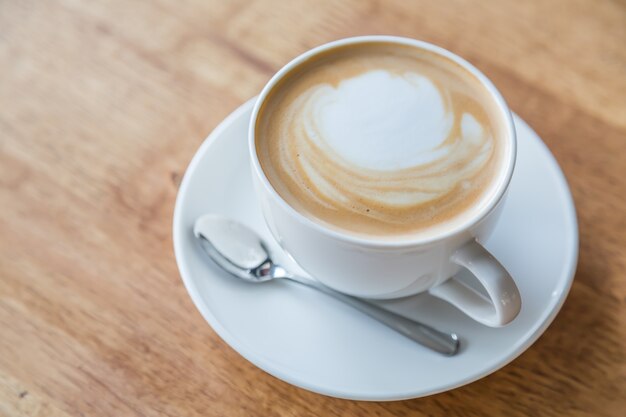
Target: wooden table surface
{"type": "Point", "coordinates": [102, 105]}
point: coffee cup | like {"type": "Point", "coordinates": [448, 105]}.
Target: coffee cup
{"type": "Point", "coordinates": [381, 164]}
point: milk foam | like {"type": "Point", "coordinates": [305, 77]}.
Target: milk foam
{"type": "Point", "coordinates": [383, 121]}
{"type": "Point", "coordinates": [379, 127]}
{"type": "Point", "coordinates": [388, 148]}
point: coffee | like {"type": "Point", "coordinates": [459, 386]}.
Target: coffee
{"type": "Point", "coordinates": [381, 139]}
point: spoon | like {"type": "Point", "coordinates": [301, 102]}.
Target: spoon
{"type": "Point", "coordinates": [241, 252]}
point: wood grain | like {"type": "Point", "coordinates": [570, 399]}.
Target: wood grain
{"type": "Point", "coordinates": [102, 105]}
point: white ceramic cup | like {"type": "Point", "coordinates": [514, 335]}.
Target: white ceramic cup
{"type": "Point", "coordinates": [371, 268]}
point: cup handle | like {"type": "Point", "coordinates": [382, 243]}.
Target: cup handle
{"type": "Point", "coordinates": [504, 302]}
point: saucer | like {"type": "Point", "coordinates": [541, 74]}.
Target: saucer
{"type": "Point", "coordinates": [313, 341]}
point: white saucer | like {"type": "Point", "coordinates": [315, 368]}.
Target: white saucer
{"type": "Point", "coordinates": [314, 342]}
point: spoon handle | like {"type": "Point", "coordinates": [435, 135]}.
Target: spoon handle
{"type": "Point", "coordinates": [444, 343]}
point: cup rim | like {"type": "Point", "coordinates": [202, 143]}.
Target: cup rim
{"type": "Point", "coordinates": [408, 240]}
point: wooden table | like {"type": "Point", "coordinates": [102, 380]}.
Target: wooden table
{"type": "Point", "coordinates": [102, 105]}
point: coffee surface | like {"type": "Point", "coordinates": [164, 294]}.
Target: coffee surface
{"type": "Point", "coordinates": [380, 139]}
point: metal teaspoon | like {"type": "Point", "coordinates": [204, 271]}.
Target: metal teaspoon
{"type": "Point", "coordinates": [242, 253]}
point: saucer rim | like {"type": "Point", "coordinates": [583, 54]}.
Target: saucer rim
{"type": "Point", "coordinates": [529, 338]}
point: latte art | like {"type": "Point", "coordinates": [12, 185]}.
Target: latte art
{"type": "Point", "coordinates": [378, 141]}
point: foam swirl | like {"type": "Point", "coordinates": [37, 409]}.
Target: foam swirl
{"type": "Point", "coordinates": [381, 152]}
